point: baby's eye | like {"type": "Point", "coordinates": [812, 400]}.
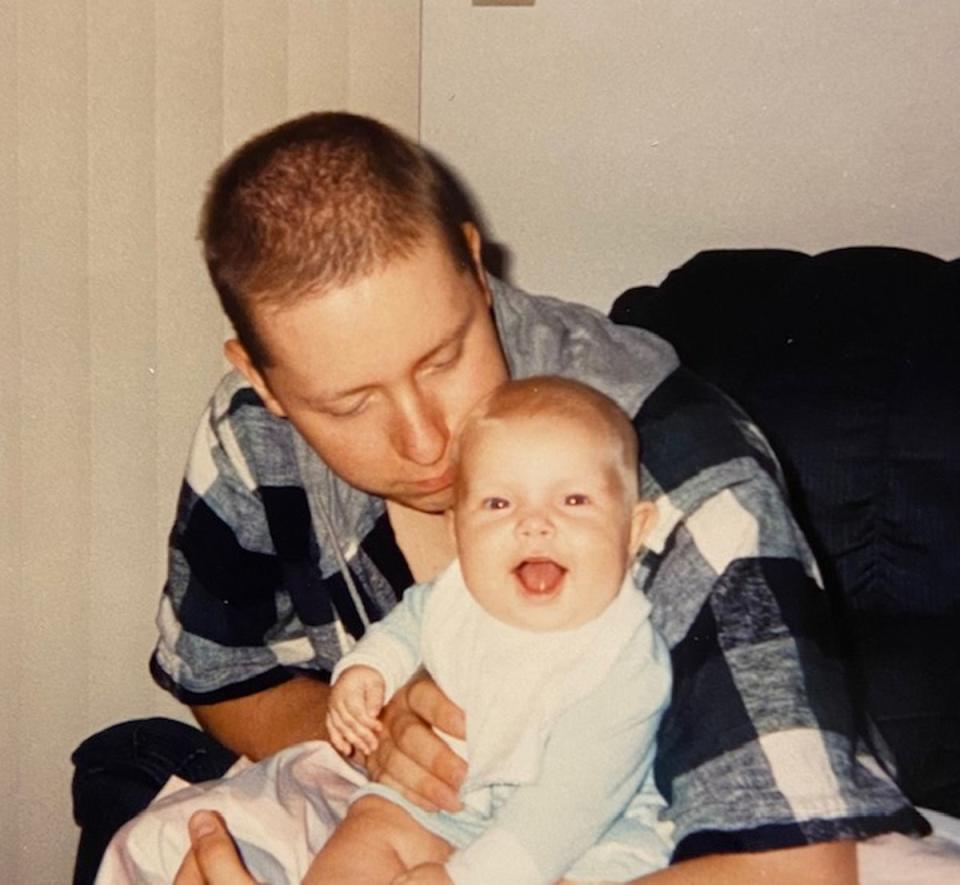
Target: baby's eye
{"type": "Point", "coordinates": [576, 500]}
{"type": "Point", "coordinates": [495, 504]}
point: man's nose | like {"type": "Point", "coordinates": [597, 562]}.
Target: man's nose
{"type": "Point", "coordinates": [420, 433]}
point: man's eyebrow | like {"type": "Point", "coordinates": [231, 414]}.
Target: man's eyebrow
{"type": "Point", "coordinates": [456, 335]}
{"type": "Point", "coordinates": [325, 397]}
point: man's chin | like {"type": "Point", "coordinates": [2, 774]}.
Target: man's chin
{"type": "Point", "coordinates": [426, 502]}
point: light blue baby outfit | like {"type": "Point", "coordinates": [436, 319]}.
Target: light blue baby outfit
{"type": "Point", "coordinates": [560, 733]}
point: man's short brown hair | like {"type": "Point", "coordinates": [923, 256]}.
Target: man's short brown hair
{"type": "Point", "coordinates": [316, 203]}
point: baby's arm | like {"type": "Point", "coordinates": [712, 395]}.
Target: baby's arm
{"type": "Point", "coordinates": [598, 755]}
{"type": "Point", "coordinates": [355, 702]}
{"type": "Point", "coordinates": [368, 675]}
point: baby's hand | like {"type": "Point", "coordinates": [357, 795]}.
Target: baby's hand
{"type": "Point", "coordinates": [355, 702]}
{"type": "Point", "coordinates": [425, 874]}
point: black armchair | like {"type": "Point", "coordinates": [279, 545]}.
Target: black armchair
{"type": "Point", "coordinates": [850, 362]}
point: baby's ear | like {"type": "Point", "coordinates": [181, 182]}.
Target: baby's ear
{"type": "Point", "coordinates": [642, 520]}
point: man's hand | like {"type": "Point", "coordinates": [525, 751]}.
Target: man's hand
{"type": "Point", "coordinates": [410, 757]}
{"type": "Point", "coordinates": [425, 874]}
{"type": "Point", "coordinates": [213, 858]}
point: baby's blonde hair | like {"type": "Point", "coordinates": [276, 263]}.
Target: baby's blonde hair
{"type": "Point", "coordinates": [550, 396]}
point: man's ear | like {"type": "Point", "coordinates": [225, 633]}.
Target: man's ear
{"type": "Point", "coordinates": [237, 354]}
{"type": "Point", "coordinates": [642, 520]}
{"type": "Point", "coordinates": [448, 518]}
{"type": "Point", "coordinates": [475, 245]}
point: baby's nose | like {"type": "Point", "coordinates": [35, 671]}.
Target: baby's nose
{"type": "Point", "coordinates": [534, 524]}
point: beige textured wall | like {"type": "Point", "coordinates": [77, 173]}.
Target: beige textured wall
{"type": "Point", "coordinates": [610, 141]}
{"type": "Point", "coordinates": [112, 115]}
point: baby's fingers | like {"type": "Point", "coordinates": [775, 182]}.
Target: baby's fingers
{"type": "Point", "coordinates": [357, 734]}
{"type": "Point", "coordinates": [373, 699]}
{"type": "Point", "coordinates": [336, 735]}
{"type": "Point", "coordinates": [363, 713]}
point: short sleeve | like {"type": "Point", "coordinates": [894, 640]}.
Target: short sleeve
{"type": "Point", "coordinates": [242, 555]}
{"type": "Point", "coordinates": [759, 748]}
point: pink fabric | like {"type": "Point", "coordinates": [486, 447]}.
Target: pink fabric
{"type": "Point", "coordinates": [280, 811]}
{"type": "Point", "coordinates": [895, 859]}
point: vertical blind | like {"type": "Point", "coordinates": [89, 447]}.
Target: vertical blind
{"type": "Point", "coordinates": [112, 116]}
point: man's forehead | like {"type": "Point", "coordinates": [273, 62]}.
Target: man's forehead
{"type": "Point", "coordinates": [356, 336]}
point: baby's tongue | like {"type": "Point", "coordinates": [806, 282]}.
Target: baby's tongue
{"type": "Point", "coordinates": [539, 576]}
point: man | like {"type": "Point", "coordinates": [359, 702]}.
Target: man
{"type": "Point", "coordinates": [366, 329]}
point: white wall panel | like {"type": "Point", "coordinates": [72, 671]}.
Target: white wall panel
{"type": "Point", "coordinates": [51, 602]}
{"type": "Point", "coordinates": [122, 297]}
{"type": "Point", "coordinates": [384, 62]}
{"type": "Point", "coordinates": [10, 449]}
{"type": "Point", "coordinates": [318, 72]}
{"type": "Point", "coordinates": [189, 108]}
{"type": "Point", "coordinates": [608, 142]}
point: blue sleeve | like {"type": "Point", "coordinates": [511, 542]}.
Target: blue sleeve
{"type": "Point", "coordinates": [392, 645]}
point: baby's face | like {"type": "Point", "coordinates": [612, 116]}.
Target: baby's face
{"type": "Point", "coordinates": [545, 530]}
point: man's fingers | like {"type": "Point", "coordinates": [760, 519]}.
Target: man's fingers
{"type": "Point", "coordinates": [189, 873]}
{"type": "Point", "coordinates": [411, 757]}
{"type": "Point", "coordinates": [429, 788]}
{"type": "Point", "coordinates": [421, 743]}
{"type": "Point", "coordinates": [396, 766]}
{"type": "Point", "coordinates": [213, 858]}
{"type": "Point", "coordinates": [432, 705]}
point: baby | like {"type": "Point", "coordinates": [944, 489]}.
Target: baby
{"type": "Point", "coordinates": [539, 633]}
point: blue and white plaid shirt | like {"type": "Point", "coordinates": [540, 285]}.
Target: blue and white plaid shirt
{"type": "Point", "coordinates": [277, 566]}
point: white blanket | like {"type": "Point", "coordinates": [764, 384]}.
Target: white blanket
{"type": "Point", "coordinates": [282, 809]}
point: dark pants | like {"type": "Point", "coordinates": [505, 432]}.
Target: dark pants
{"type": "Point", "coordinates": [118, 771]}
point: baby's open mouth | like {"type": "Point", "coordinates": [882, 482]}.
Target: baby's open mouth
{"type": "Point", "coordinates": [539, 576]}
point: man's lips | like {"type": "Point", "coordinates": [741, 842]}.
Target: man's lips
{"type": "Point", "coordinates": [436, 483]}
{"type": "Point", "coordinates": [539, 576]}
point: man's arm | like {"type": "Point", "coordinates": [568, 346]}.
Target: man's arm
{"type": "Point", "coordinates": [263, 723]}
{"type": "Point", "coordinates": [828, 863]}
